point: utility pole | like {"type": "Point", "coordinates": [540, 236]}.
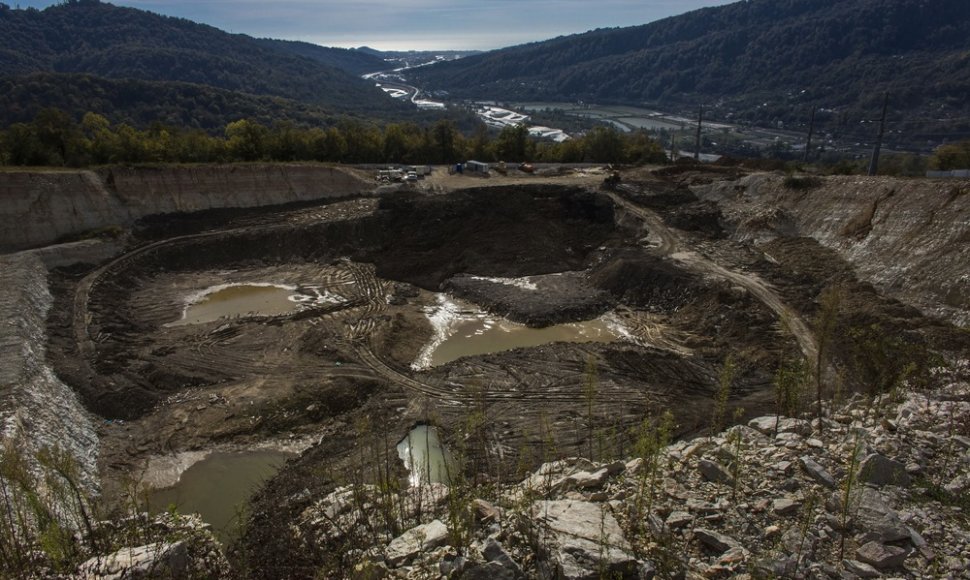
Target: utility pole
{"type": "Point", "coordinates": [811, 130]}
{"type": "Point", "coordinates": [874, 163]}
{"type": "Point", "coordinates": [697, 146]}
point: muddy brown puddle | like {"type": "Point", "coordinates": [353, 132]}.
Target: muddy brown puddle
{"type": "Point", "coordinates": [485, 335]}
{"type": "Point", "coordinates": [238, 300]}
{"type": "Point", "coordinates": [462, 329]}
{"type": "Point", "coordinates": [218, 487]}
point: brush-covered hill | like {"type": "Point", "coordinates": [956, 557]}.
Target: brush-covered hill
{"type": "Point", "coordinates": [757, 59]}
{"type": "Point", "coordinates": [142, 103]}
{"type": "Point", "coordinates": [87, 37]}
{"type": "Point", "coordinates": [352, 60]}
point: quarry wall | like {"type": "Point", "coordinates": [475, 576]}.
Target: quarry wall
{"type": "Point", "coordinates": [37, 410]}
{"type": "Point", "coordinates": [40, 207]}
{"type": "Point", "coordinates": [908, 237]}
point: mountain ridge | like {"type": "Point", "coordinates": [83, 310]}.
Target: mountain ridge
{"type": "Point", "coordinates": [352, 60]}
{"type": "Point", "coordinates": [87, 37]}
{"type": "Point", "coordinates": [754, 61]}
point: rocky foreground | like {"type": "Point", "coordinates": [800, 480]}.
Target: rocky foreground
{"type": "Point", "coordinates": [878, 489]}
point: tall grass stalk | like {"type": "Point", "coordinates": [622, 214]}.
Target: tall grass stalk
{"type": "Point", "coordinates": [722, 394]}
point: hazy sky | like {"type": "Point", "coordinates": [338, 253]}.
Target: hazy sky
{"type": "Point", "coordinates": [413, 24]}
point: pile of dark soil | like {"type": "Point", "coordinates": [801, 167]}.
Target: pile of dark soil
{"type": "Point", "coordinates": [648, 282]}
{"type": "Point", "coordinates": [491, 231]}
{"type": "Point", "coordinates": [556, 299]}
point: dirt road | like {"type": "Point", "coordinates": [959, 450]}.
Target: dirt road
{"type": "Point", "coordinates": [671, 245]}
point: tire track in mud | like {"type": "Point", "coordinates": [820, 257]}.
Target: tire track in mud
{"type": "Point", "coordinates": [81, 317]}
{"type": "Point", "coordinates": [452, 393]}
{"type": "Point", "coordinates": [672, 246]}
{"type": "Point", "coordinates": [365, 310]}
{"type": "Point", "coordinates": [371, 293]}
{"type": "Point", "coordinates": [648, 332]}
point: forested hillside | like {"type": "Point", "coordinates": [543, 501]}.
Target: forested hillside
{"type": "Point", "coordinates": [760, 61]}
{"type": "Point", "coordinates": [86, 37]}
{"type": "Point", "coordinates": [354, 61]}
{"type": "Point", "coordinates": [141, 103]}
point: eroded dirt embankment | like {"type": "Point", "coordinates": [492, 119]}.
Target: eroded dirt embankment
{"type": "Point", "coordinates": [37, 410]}
{"type": "Point", "coordinates": [41, 207]}
{"type": "Point", "coordinates": [908, 237]}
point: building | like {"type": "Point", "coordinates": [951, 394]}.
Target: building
{"type": "Point", "coordinates": [476, 167]}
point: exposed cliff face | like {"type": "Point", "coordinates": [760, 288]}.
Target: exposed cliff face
{"type": "Point", "coordinates": [910, 238]}
{"type": "Point", "coordinates": [36, 408]}
{"type": "Point", "coordinates": [39, 207]}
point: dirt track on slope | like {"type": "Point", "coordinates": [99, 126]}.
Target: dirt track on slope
{"type": "Point", "coordinates": [671, 245]}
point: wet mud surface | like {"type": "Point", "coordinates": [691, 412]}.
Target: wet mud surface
{"type": "Point", "coordinates": [334, 378]}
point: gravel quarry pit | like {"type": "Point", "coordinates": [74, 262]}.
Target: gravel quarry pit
{"type": "Point", "coordinates": [357, 285]}
{"type": "Point", "coordinates": [363, 275]}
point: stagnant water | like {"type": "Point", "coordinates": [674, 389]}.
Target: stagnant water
{"type": "Point", "coordinates": [218, 487]}
{"type": "Point", "coordinates": [259, 299]}
{"type": "Point", "coordinates": [461, 329]}
{"type": "Point", "coordinates": [425, 457]}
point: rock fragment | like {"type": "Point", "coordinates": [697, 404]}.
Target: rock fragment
{"type": "Point", "coordinates": [817, 472]}
{"type": "Point", "coordinates": [880, 522]}
{"type": "Point", "coordinates": [416, 540]}
{"type": "Point", "coordinates": [860, 569]}
{"type": "Point", "coordinates": [485, 512]}
{"type": "Point", "coordinates": [149, 561]}
{"type": "Point", "coordinates": [713, 471]}
{"type": "Point", "coordinates": [583, 539]}
{"type": "Point", "coordinates": [587, 480]}
{"type": "Point", "coordinates": [716, 540]}
{"type": "Point", "coordinates": [880, 470]}
{"type": "Point", "coordinates": [677, 520]}
{"type": "Point", "coordinates": [882, 556]}
{"type": "Point", "coordinates": [767, 425]}
{"type": "Point", "coordinates": [785, 506]}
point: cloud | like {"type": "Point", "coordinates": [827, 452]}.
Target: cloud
{"type": "Point", "coordinates": [417, 24]}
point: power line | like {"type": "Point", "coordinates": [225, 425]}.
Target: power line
{"type": "Point", "coordinates": [811, 129]}
{"type": "Point", "coordinates": [697, 146]}
{"type": "Point", "coordinates": [874, 163]}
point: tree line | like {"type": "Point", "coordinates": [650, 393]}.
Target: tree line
{"type": "Point", "coordinates": [54, 138]}
{"type": "Point", "coordinates": [952, 156]}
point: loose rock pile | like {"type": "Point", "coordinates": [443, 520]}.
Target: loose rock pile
{"type": "Point", "coordinates": [876, 489]}
{"type": "Point", "coordinates": [166, 546]}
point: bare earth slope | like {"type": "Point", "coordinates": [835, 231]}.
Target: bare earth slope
{"type": "Point", "coordinates": [40, 207]}
{"type": "Point", "coordinates": [910, 238]}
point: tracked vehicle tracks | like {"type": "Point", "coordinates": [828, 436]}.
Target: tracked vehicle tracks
{"type": "Point", "coordinates": [372, 295]}
{"type": "Point", "coordinates": [367, 303]}
{"type": "Point", "coordinates": [672, 246]}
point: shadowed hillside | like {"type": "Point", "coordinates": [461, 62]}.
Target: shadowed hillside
{"type": "Point", "coordinates": [102, 40]}
{"type": "Point", "coordinates": [759, 61]}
